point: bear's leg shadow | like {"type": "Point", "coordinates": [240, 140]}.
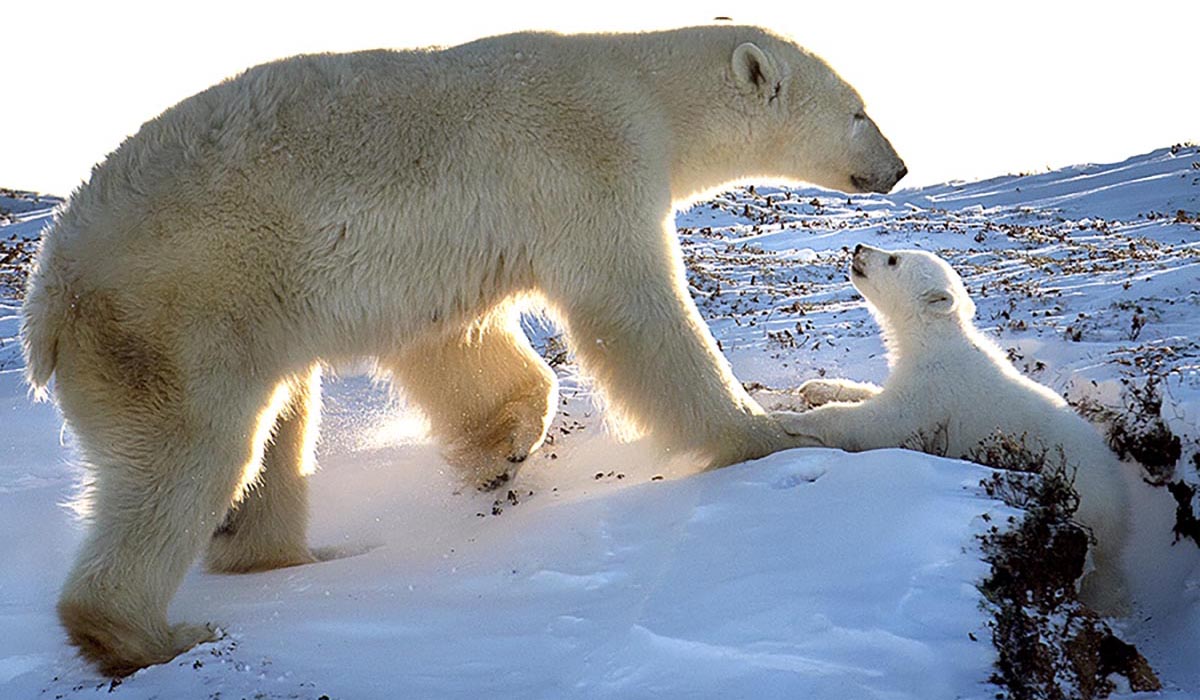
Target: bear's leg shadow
{"type": "Point", "coordinates": [167, 456]}
{"type": "Point", "coordinates": [488, 395]}
{"type": "Point", "coordinates": [267, 528]}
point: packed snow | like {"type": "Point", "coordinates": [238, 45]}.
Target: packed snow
{"type": "Point", "coordinates": [606, 573]}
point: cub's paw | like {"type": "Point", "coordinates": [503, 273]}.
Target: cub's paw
{"type": "Point", "coordinates": [778, 399]}
{"type": "Point", "coordinates": [818, 392]}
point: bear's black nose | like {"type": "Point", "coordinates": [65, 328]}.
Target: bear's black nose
{"type": "Point", "coordinates": [857, 249]}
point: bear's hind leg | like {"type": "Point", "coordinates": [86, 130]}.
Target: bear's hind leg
{"type": "Point", "coordinates": [267, 527]}
{"type": "Point", "coordinates": [488, 395]}
{"type": "Point", "coordinates": [167, 461]}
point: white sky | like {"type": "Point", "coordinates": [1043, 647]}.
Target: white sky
{"type": "Point", "coordinates": [963, 89]}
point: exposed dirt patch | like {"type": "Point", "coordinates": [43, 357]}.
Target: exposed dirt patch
{"type": "Point", "coordinates": [1051, 646]}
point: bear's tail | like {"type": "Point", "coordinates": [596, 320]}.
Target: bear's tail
{"type": "Point", "coordinates": [43, 316]}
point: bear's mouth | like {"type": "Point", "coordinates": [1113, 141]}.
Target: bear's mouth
{"type": "Point", "coordinates": [861, 183]}
{"type": "Point", "coordinates": [857, 271]}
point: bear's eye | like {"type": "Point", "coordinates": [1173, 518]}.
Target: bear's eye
{"type": "Point", "coordinates": [860, 116]}
{"type": "Point", "coordinates": [892, 260]}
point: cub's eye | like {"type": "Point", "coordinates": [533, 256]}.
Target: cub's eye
{"type": "Point", "coordinates": [892, 260]}
{"type": "Point", "coordinates": [860, 117]}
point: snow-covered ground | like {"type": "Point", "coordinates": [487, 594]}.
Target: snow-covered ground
{"type": "Point", "coordinates": [811, 573]}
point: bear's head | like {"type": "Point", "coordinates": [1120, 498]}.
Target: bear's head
{"type": "Point", "coordinates": [910, 289]}
{"type": "Point", "coordinates": [805, 123]}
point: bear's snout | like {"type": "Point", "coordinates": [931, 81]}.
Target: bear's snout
{"type": "Point", "coordinates": [880, 184]}
{"type": "Point", "coordinates": [857, 262]}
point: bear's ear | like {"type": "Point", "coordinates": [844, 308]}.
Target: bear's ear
{"type": "Point", "coordinates": [938, 301]}
{"type": "Point", "coordinates": [754, 69]}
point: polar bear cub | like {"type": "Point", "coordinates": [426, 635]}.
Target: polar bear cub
{"type": "Point", "coordinates": [948, 380]}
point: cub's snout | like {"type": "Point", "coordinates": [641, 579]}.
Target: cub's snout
{"type": "Point", "coordinates": [865, 259]}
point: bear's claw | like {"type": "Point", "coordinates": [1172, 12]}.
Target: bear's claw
{"type": "Point", "coordinates": [495, 482]}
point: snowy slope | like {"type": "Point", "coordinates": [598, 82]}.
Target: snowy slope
{"type": "Point", "coordinates": [785, 575]}
{"type": "Point", "coordinates": [811, 573]}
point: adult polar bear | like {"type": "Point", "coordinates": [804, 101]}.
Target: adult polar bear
{"type": "Point", "coordinates": [951, 385]}
{"type": "Point", "coordinates": [393, 205]}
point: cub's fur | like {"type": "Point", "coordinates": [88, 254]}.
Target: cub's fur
{"type": "Point", "coordinates": [951, 386]}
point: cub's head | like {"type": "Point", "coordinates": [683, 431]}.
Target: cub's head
{"type": "Point", "coordinates": [910, 288]}
{"type": "Point", "coordinates": [806, 123]}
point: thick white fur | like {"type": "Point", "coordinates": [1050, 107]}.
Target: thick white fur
{"type": "Point", "coordinates": [398, 205]}
{"type": "Point", "coordinates": [950, 384]}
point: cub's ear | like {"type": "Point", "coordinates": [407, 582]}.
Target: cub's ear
{"type": "Point", "coordinates": [938, 301]}
{"type": "Point", "coordinates": [754, 69]}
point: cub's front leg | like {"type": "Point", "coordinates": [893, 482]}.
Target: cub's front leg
{"type": "Point", "coordinates": [815, 392]}
{"type": "Point", "coordinates": [850, 426]}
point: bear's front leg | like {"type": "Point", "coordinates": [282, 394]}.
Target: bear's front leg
{"type": "Point", "coordinates": [487, 394]}
{"type": "Point", "coordinates": [817, 425]}
{"type": "Point", "coordinates": [636, 331]}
